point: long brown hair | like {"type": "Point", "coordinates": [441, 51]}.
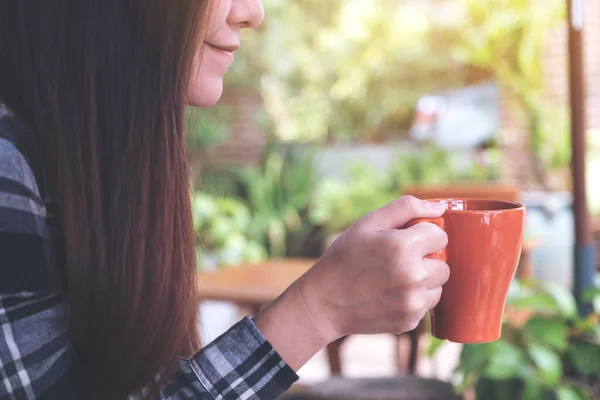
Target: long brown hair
{"type": "Point", "coordinates": [101, 86]}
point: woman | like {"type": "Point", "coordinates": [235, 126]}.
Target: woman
{"type": "Point", "coordinates": [97, 271]}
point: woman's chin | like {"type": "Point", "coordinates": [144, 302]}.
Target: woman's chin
{"type": "Point", "coordinates": [207, 96]}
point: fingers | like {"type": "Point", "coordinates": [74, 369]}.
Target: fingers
{"type": "Point", "coordinates": [434, 296]}
{"type": "Point", "coordinates": [404, 254]}
{"type": "Point", "coordinates": [437, 273]}
{"type": "Point", "coordinates": [424, 238]}
{"type": "Point", "coordinates": [398, 213]}
{"type": "Point", "coordinates": [413, 308]}
{"type": "Point", "coordinates": [422, 285]}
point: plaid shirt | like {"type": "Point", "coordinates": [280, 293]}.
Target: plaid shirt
{"type": "Point", "coordinates": [37, 360]}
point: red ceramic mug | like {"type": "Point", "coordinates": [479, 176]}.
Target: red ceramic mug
{"type": "Point", "coordinates": [484, 246]}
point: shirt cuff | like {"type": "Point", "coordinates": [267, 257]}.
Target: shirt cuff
{"type": "Point", "coordinates": [242, 364]}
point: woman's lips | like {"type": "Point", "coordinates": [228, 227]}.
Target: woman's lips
{"type": "Point", "coordinates": [223, 52]}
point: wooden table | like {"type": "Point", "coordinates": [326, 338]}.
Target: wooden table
{"type": "Point", "coordinates": [252, 286]}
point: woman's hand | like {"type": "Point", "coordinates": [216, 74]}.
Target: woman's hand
{"type": "Point", "coordinates": [374, 278]}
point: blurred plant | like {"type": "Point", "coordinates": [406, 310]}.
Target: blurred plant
{"type": "Point", "coordinates": [221, 181]}
{"type": "Point", "coordinates": [430, 165]}
{"type": "Point", "coordinates": [278, 195]}
{"type": "Point", "coordinates": [553, 354]}
{"type": "Point", "coordinates": [507, 37]}
{"type": "Point", "coordinates": [207, 128]}
{"type": "Point", "coordinates": [222, 226]}
{"type": "Point", "coordinates": [336, 205]}
{"type": "Point", "coordinates": [351, 70]}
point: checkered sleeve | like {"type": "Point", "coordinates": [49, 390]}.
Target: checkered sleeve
{"type": "Point", "coordinates": [36, 353]}
{"type": "Point", "coordinates": [241, 364]}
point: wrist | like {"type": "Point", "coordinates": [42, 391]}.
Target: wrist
{"type": "Point", "coordinates": [315, 305]}
{"type": "Point", "coordinates": [292, 328]}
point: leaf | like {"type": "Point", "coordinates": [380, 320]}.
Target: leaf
{"type": "Point", "coordinates": [505, 361]}
{"type": "Point", "coordinates": [474, 357]}
{"type": "Point", "coordinates": [532, 390]}
{"type": "Point", "coordinates": [562, 297]}
{"type": "Point", "coordinates": [590, 325]}
{"type": "Point", "coordinates": [591, 295]}
{"type": "Point", "coordinates": [529, 55]}
{"type": "Point", "coordinates": [585, 358]}
{"type": "Point", "coordinates": [544, 297]}
{"type": "Point", "coordinates": [498, 389]}
{"type": "Point", "coordinates": [548, 331]}
{"type": "Point", "coordinates": [565, 392]}
{"type": "Point", "coordinates": [434, 346]}
{"type": "Point", "coordinates": [548, 363]}
{"type": "Point", "coordinates": [534, 302]}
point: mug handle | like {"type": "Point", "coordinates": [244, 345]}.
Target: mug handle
{"type": "Point", "coordinates": [440, 255]}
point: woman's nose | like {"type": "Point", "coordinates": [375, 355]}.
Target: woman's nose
{"type": "Point", "coordinates": [246, 13]}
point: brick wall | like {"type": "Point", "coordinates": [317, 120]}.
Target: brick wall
{"type": "Point", "coordinates": [514, 134]}
{"type": "Point", "coordinates": [246, 141]}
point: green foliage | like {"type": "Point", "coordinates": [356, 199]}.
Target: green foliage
{"type": "Point", "coordinates": [555, 354]}
{"type": "Point", "coordinates": [279, 206]}
{"type": "Point", "coordinates": [278, 192]}
{"type": "Point", "coordinates": [222, 227]}
{"type": "Point", "coordinates": [207, 127]}
{"type": "Point", "coordinates": [432, 165]}
{"type": "Point", "coordinates": [221, 181]}
{"type": "Point", "coordinates": [249, 213]}
{"type": "Point", "coordinates": [434, 346]}
{"type": "Point", "coordinates": [337, 204]}
{"type": "Point", "coordinates": [507, 37]}
{"type": "Point", "coordinates": [350, 69]}
{"type": "Point", "coordinates": [355, 70]}
{"type": "Point", "coordinates": [550, 331]}
{"type": "Point", "coordinates": [585, 357]}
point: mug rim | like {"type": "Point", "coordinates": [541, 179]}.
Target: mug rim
{"type": "Point", "coordinates": [513, 206]}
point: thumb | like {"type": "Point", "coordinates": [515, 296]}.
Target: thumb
{"type": "Point", "coordinates": [400, 212]}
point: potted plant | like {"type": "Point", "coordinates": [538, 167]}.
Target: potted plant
{"type": "Point", "coordinates": [278, 195]}
{"type": "Point", "coordinates": [547, 350]}
{"type": "Point", "coordinates": [222, 229]}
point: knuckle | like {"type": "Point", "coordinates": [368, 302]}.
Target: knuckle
{"type": "Point", "coordinates": [437, 296]}
{"type": "Point", "coordinates": [415, 302]}
{"type": "Point", "coordinates": [411, 273]}
{"type": "Point", "coordinates": [430, 231]}
{"type": "Point", "coordinates": [444, 236]}
{"type": "Point", "coordinates": [444, 271]}
{"type": "Point", "coordinates": [407, 241]}
{"type": "Point", "coordinates": [439, 235]}
{"type": "Point", "coordinates": [418, 274]}
{"type": "Point", "coordinates": [402, 276]}
{"type": "Point", "coordinates": [392, 248]}
{"type": "Point", "coordinates": [413, 324]}
{"type": "Point", "coordinates": [440, 272]}
{"type": "Point", "coordinates": [408, 203]}
{"type": "Point", "coordinates": [408, 325]}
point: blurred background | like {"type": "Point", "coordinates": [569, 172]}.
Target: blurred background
{"type": "Point", "coordinates": [334, 108]}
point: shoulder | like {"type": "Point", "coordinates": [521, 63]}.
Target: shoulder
{"type": "Point", "coordinates": [21, 207]}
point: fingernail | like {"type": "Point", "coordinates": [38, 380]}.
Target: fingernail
{"type": "Point", "coordinates": [434, 205]}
